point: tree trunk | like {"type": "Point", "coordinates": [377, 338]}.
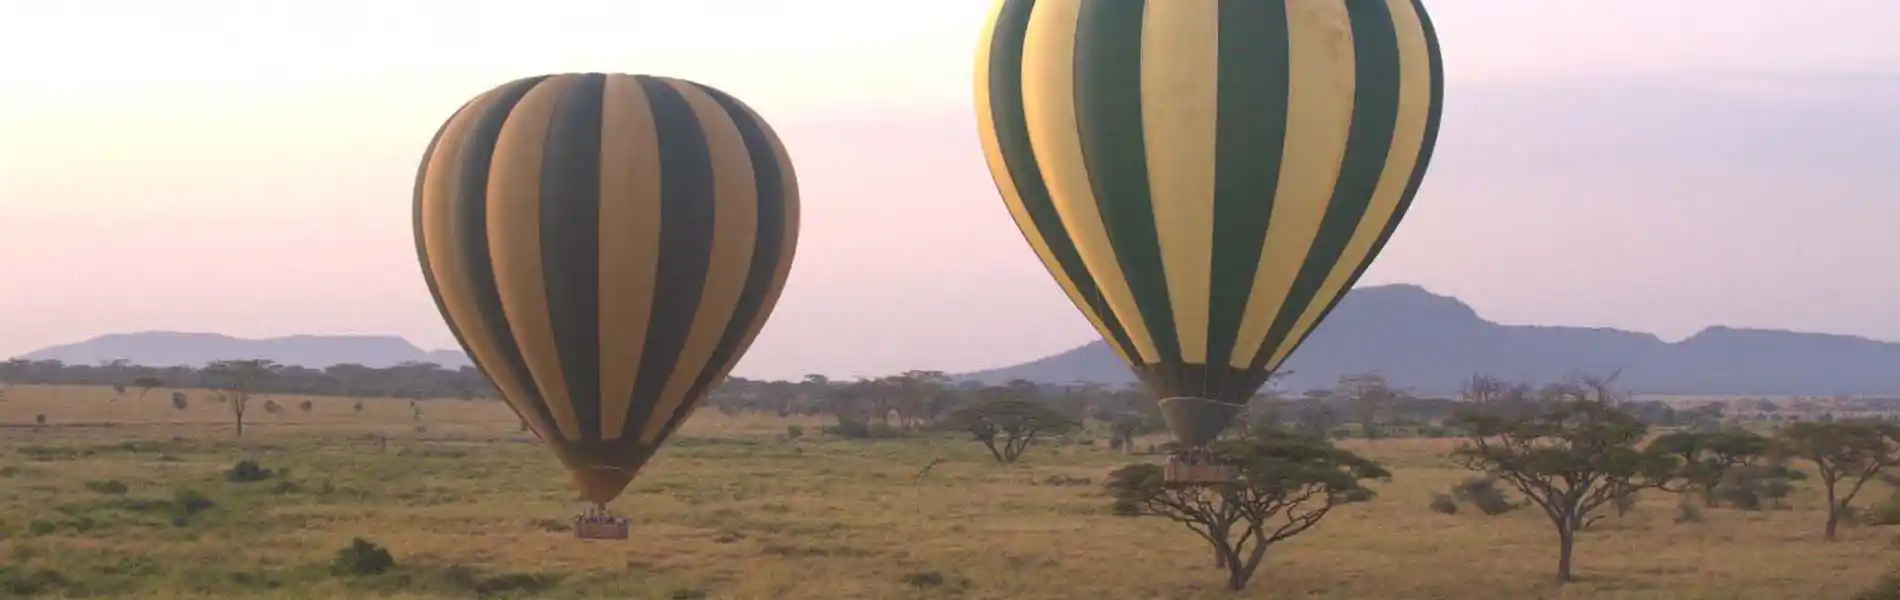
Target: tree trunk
{"type": "Point", "coordinates": [991, 444]}
{"type": "Point", "coordinates": [1238, 578]}
{"type": "Point", "coordinates": [1566, 544]}
{"type": "Point", "coordinates": [1834, 510]}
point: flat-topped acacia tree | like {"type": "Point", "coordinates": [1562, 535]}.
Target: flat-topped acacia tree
{"type": "Point", "coordinates": [1569, 452]}
{"type": "Point", "coordinates": [1288, 482]}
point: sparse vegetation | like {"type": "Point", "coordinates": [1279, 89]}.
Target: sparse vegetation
{"type": "Point", "coordinates": [475, 510]}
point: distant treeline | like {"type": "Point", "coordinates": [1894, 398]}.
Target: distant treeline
{"type": "Point", "coordinates": [1361, 405]}
{"type": "Point", "coordinates": [408, 380]}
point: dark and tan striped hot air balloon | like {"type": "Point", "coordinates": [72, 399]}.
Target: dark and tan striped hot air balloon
{"type": "Point", "coordinates": [1206, 178]}
{"type": "Point", "coordinates": [605, 247]}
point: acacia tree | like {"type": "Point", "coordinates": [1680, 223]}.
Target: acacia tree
{"type": "Point", "coordinates": [1369, 396]}
{"type": "Point", "coordinates": [1124, 428]}
{"type": "Point", "coordinates": [145, 385]}
{"type": "Point", "coordinates": [1014, 424]}
{"type": "Point", "coordinates": [1288, 483]}
{"type": "Point", "coordinates": [1850, 452]}
{"type": "Point", "coordinates": [1570, 456]}
{"type": "Point", "coordinates": [1708, 457]}
{"type": "Point", "coordinates": [236, 380]}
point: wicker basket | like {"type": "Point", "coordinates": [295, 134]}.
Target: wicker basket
{"type": "Point", "coordinates": [600, 528]}
{"type": "Point", "coordinates": [1196, 470]}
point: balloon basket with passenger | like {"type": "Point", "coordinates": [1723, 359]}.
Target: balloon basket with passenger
{"type": "Point", "coordinates": [1200, 466]}
{"type": "Point", "coordinates": [597, 523]}
{"type": "Point", "coordinates": [1196, 423]}
{"type": "Point", "coordinates": [598, 485]}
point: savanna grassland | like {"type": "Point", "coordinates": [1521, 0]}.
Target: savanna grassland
{"type": "Point", "coordinates": [130, 498]}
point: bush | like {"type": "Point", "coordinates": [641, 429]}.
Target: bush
{"type": "Point", "coordinates": [1688, 512]}
{"type": "Point", "coordinates": [860, 429]}
{"type": "Point", "coordinates": [360, 559]}
{"type": "Point", "coordinates": [1483, 493]}
{"type": "Point", "coordinates": [793, 432]}
{"type": "Point", "coordinates": [24, 583]}
{"type": "Point", "coordinates": [109, 486]}
{"type": "Point", "coordinates": [180, 401]}
{"type": "Point", "coordinates": [246, 471]}
{"type": "Point", "coordinates": [1741, 490]}
{"type": "Point", "coordinates": [186, 503]}
{"type": "Point", "coordinates": [1887, 588]}
{"type": "Point", "coordinates": [304, 406]}
{"type": "Point", "coordinates": [1624, 503]}
{"type": "Point", "coordinates": [1444, 504]}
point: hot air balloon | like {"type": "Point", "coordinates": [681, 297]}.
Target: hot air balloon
{"type": "Point", "coordinates": [605, 247]}
{"type": "Point", "coordinates": [1205, 179]}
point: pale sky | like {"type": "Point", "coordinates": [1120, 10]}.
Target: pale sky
{"type": "Point", "coordinates": [245, 167]}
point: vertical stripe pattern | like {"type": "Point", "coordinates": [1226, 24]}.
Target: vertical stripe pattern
{"type": "Point", "coordinates": [605, 247]}
{"type": "Point", "coordinates": [1206, 179]}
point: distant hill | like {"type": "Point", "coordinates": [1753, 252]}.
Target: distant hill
{"type": "Point", "coordinates": [1433, 343]}
{"type": "Point", "coordinates": [166, 348]}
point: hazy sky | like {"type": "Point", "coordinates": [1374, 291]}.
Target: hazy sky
{"type": "Point", "coordinates": [245, 167]}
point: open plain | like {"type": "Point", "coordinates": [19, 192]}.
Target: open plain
{"type": "Point", "coordinates": [130, 498]}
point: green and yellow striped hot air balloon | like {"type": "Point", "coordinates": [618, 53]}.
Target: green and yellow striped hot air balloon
{"type": "Point", "coordinates": [605, 247]}
{"type": "Point", "coordinates": [1206, 178]}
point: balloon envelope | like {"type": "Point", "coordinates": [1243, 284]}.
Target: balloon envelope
{"type": "Point", "coordinates": [1205, 179]}
{"type": "Point", "coordinates": [605, 247]}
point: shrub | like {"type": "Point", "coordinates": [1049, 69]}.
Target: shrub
{"type": "Point", "coordinates": [180, 401]}
{"type": "Point", "coordinates": [109, 486]}
{"type": "Point", "coordinates": [1444, 504]}
{"type": "Point", "coordinates": [1688, 512]}
{"type": "Point", "coordinates": [246, 471]}
{"type": "Point", "coordinates": [1624, 503]}
{"type": "Point", "coordinates": [793, 432]}
{"type": "Point", "coordinates": [1483, 493]}
{"type": "Point", "coordinates": [1887, 588]}
{"type": "Point", "coordinates": [361, 558]}
{"type": "Point", "coordinates": [24, 583]}
{"type": "Point", "coordinates": [860, 429]}
{"type": "Point", "coordinates": [924, 579]}
{"type": "Point", "coordinates": [186, 503]}
{"type": "Point", "coordinates": [304, 406]}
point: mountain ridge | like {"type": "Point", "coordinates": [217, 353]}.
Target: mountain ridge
{"type": "Point", "coordinates": [174, 348]}
{"type": "Point", "coordinates": [1432, 343]}
{"type": "Point", "coordinates": [1416, 338]}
